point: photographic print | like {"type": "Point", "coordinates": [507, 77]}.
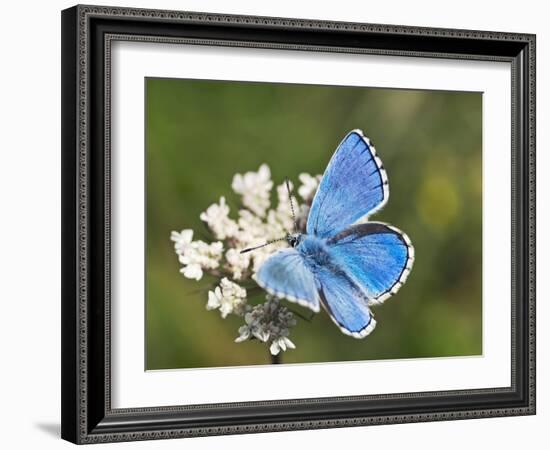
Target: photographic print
{"type": "Point", "coordinates": [272, 237]}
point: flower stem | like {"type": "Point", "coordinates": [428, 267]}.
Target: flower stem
{"type": "Point", "coordinates": [276, 359]}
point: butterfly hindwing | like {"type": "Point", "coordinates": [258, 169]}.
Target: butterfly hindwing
{"type": "Point", "coordinates": [377, 256]}
{"type": "Point", "coordinates": [354, 185]}
{"type": "Point", "coordinates": [345, 302]}
{"type": "Point", "coordinates": [284, 274]}
{"type": "Point", "coordinates": [343, 299]}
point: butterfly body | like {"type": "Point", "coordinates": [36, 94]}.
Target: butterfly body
{"type": "Point", "coordinates": [341, 264]}
{"type": "Point", "coordinates": [314, 251]}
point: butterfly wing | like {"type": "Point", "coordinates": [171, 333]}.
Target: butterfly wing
{"type": "Point", "coordinates": [376, 256]}
{"type": "Point", "coordinates": [345, 302]}
{"type": "Point", "coordinates": [285, 275]}
{"type": "Point", "coordinates": [354, 185]}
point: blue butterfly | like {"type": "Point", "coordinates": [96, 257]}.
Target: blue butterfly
{"type": "Point", "coordinates": [343, 262]}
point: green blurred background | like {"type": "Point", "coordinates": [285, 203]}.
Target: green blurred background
{"type": "Point", "coordinates": [200, 133]}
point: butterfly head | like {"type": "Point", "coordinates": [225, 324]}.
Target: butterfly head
{"type": "Point", "coordinates": [293, 239]}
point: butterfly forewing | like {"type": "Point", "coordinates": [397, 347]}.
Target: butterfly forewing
{"type": "Point", "coordinates": [354, 185]}
{"type": "Point", "coordinates": [285, 274]}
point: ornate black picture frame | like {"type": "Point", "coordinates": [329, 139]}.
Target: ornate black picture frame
{"type": "Point", "coordinates": [87, 34]}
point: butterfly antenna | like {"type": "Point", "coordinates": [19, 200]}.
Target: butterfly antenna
{"type": "Point", "coordinates": [246, 250]}
{"type": "Point", "coordinates": [291, 205]}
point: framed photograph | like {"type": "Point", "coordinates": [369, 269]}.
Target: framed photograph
{"type": "Point", "coordinates": [233, 261]}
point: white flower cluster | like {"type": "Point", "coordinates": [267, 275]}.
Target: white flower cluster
{"type": "Point", "coordinates": [269, 322]}
{"type": "Point", "coordinates": [217, 219]}
{"type": "Point", "coordinates": [255, 188]}
{"type": "Point", "coordinates": [196, 256]}
{"type": "Point", "coordinates": [256, 223]}
{"type": "Point", "coordinates": [228, 297]}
